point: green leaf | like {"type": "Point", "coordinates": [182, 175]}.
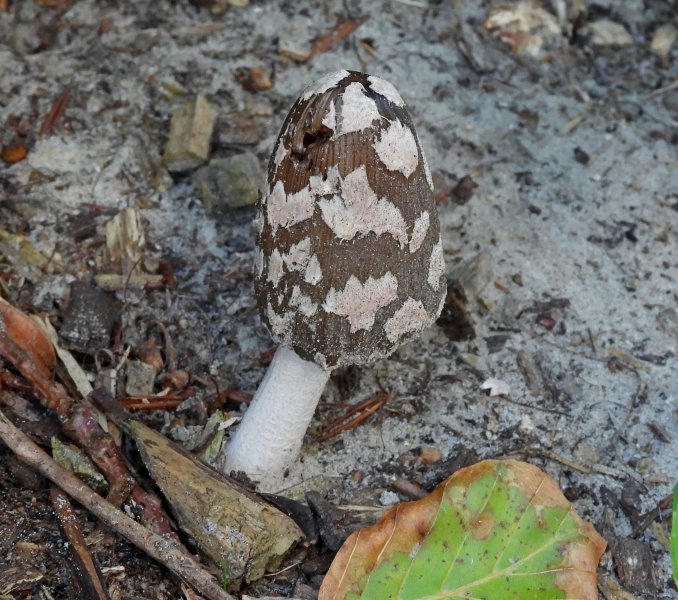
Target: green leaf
{"type": "Point", "coordinates": [498, 529]}
{"type": "Point", "coordinates": [674, 535]}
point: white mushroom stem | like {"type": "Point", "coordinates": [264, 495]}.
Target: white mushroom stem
{"type": "Point", "coordinates": [270, 434]}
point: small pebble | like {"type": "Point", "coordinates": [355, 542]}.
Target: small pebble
{"type": "Point", "coordinates": [388, 498]}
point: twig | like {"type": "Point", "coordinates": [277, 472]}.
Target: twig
{"type": "Point", "coordinates": [55, 112]}
{"type": "Point", "coordinates": [84, 566]}
{"type": "Point", "coordinates": [646, 519]}
{"type": "Point", "coordinates": [166, 551]}
{"type": "Point", "coordinates": [413, 3]}
{"type": "Point", "coordinates": [577, 466]}
{"type": "Point", "coordinates": [170, 352]}
{"type": "Point", "coordinates": [534, 407]}
{"type": "Point", "coordinates": [156, 403]}
{"type": "Point", "coordinates": [662, 90]}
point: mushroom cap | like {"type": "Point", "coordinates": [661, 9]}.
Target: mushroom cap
{"type": "Point", "coordinates": [350, 261]}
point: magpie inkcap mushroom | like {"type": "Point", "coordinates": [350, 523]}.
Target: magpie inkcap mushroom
{"type": "Point", "coordinates": [349, 264]}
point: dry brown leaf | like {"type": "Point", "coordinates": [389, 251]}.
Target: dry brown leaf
{"type": "Point", "coordinates": [341, 30]}
{"type": "Point", "coordinates": [497, 529]}
{"type": "Point", "coordinates": [29, 336]}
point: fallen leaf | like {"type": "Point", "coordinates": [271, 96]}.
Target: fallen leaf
{"type": "Point", "coordinates": [29, 336]}
{"type": "Point", "coordinates": [497, 529]}
{"type": "Point", "coordinates": [253, 79]}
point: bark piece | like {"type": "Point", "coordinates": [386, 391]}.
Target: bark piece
{"type": "Point", "coordinates": [235, 528]}
{"type": "Point", "coordinates": [633, 561]}
{"type": "Point", "coordinates": [140, 379]}
{"type": "Point", "coordinates": [89, 319]}
{"type": "Point", "coordinates": [190, 134]}
{"type": "Point", "coordinates": [125, 241]}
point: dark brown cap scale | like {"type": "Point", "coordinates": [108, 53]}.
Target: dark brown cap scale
{"type": "Point", "coordinates": [350, 261]}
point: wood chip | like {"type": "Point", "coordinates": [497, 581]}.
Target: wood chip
{"type": "Point", "coordinates": [605, 32]}
{"type": "Point", "coordinates": [294, 49]}
{"type": "Point", "coordinates": [634, 565]}
{"type": "Point", "coordinates": [111, 282]}
{"type": "Point", "coordinates": [524, 26]}
{"type": "Point", "coordinates": [408, 488]}
{"type": "Point", "coordinates": [664, 39]}
{"type": "Point", "coordinates": [497, 387]}
{"type": "Point", "coordinates": [188, 145]}
{"type": "Point", "coordinates": [125, 241]}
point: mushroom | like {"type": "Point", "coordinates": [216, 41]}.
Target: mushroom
{"type": "Point", "coordinates": [350, 260]}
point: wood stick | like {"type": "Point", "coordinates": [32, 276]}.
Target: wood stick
{"type": "Point", "coordinates": [165, 551]}
{"type": "Point", "coordinates": [85, 569]}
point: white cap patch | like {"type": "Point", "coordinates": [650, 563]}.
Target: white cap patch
{"type": "Point", "coordinates": [285, 210]}
{"type": "Point", "coordinates": [397, 149]}
{"type": "Point", "coordinates": [436, 266]}
{"type": "Point", "coordinates": [427, 171]}
{"type": "Point", "coordinates": [298, 255]}
{"type": "Point", "coordinates": [359, 211]}
{"type": "Point", "coordinates": [419, 231]}
{"type": "Point", "coordinates": [280, 153]}
{"type": "Point", "coordinates": [279, 323]}
{"type": "Point", "coordinates": [303, 302]}
{"type": "Point", "coordinates": [275, 267]}
{"type": "Point", "coordinates": [330, 119]}
{"type": "Point", "coordinates": [360, 302]}
{"type": "Point", "coordinates": [314, 272]}
{"type": "Point", "coordinates": [358, 111]}
{"type": "Point", "coordinates": [386, 89]}
{"type": "Point", "coordinates": [323, 84]}
{"type": "Point", "coordinates": [299, 258]}
{"type": "Point", "coordinates": [411, 316]}
{"type": "Point", "coordinates": [259, 262]}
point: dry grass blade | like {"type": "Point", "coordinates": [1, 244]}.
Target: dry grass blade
{"type": "Point", "coordinates": [355, 415]}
